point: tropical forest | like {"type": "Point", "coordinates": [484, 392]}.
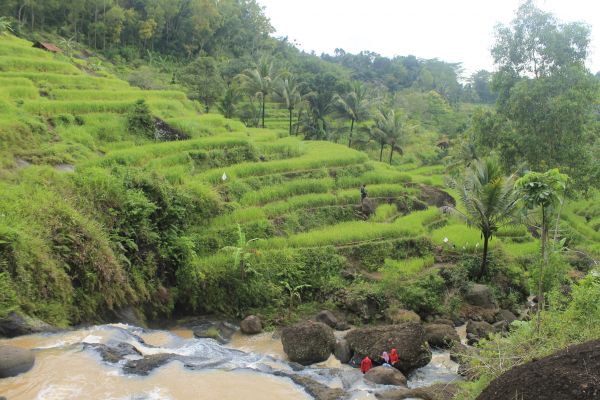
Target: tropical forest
{"type": "Point", "coordinates": [195, 207]}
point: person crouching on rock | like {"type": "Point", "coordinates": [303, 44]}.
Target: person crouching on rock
{"type": "Point", "coordinates": [386, 359]}
{"type": "Point", "coordinates": [365, 365]}
{"type": "Point", "coordinates": [393, 357]}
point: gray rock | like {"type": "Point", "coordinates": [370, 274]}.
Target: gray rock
{"type": "Point", "coordinates": [326, 317]}
{"type": "Point", "coordinates": [251, 325]}
{"type": "Point", "coordinates": [386, 376]}
{"type": "Point", "coordinates": [407, 338]}
{"type": "Point", "coordinates": [441, 335]}
{"type": "Point", "coordinates": [308, 342]}
{"type": "Point", "coordinates": [480, 296]}
{"type": "Point", "coordinates": [479, 329]}
{"type": "Point", "coordinates": [15, 361]}
{"type": "Point", "coordinates": [342, 351]}
{"type": "Point", "coordinates": [506, 315]}
{"type": "Point", "coordinates": [221, 331]}
{"type": "Point", "coordinates": [113, 354]}
{"type": "Point", "coordinates": [16, 325]}
{"type": "Point", "coordinates": [500, 327]}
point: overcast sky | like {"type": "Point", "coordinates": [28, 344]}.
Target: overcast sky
{"type": "Point", "coordinates": [451, 30]}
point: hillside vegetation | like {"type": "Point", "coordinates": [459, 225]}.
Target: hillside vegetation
{"type": "Point", "coordinates": [96, 216]}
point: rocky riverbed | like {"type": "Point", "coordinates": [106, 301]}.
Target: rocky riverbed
{"type": "Point", "coordinates": [125, 362]}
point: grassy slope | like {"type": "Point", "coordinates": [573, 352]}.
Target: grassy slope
{"type": "Point", "coordinates": [69, 256]}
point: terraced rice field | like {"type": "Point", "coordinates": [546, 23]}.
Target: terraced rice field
{"type": "Point", "coordinates": [289, 193]}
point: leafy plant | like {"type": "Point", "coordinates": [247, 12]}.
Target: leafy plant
{"type": "Point", "coordinates": [241, 252]}
{"type": "Point", "coordinates": [140, 120]}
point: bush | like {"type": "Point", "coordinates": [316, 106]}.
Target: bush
{"type": "Point", "coordinates": [140, 121]}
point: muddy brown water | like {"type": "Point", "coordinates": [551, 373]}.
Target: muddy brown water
{"type": "Point", "coordinates": [63, 371]}
{"type": "Point", "coordinates": [66, 370]}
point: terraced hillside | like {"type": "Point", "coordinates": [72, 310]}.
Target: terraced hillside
{"type": "Point", "coordinates": [94, 217]}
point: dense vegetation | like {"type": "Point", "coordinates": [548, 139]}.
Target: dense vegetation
{"type": "Point", "coordinates": [122, 185]}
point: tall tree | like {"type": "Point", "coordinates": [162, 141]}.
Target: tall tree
{"type": "Point", "coordinates": [259, 82]}
{"type": "Point", "coordinates": [390, 129]}
{"type": "Point", "coordinates": [354, 105]}
{"type": "Point", "coordinates": [204, 81]}
{"type": "Point", "coordinates": [288, 93]}
{"type": "Point", "coordinates": [489, 199]}
{"type": "Point", "coordinates": [545, 93]}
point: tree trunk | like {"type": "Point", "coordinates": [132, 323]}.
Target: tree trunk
{"type": "Point", "coordinates": [290, 110]}
{"type": "Point", "coordinates": [391, 153]}
{"type": "Point", "coordinates": [298, 123]}
{"type": "Point", "coordinates": [350, 137]}
{"type": "Point", "coordinates": [483, 269]}
{"type": "Point", "coordinates": [544, 239]}
{"type": "Point", "coordinates": [381, 151]}
{"type": "Point", "coordinates": [263, 111]}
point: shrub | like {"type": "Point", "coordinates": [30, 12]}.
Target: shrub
{"type": "Point", "coordinates": [140, 121]}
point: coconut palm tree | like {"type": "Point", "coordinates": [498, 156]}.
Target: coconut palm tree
{"type": "Point", "coordinates": [228, 103]}
{"type": "Point", "coordinates": [258, 82]}
{"type": "Point", "coordinates": [489, 199]}
{"type": "Point", "coordinates": [319, 105]}
{"type": "Point", "coordinates": [288, 93]}
{"type": "Point", "coordinates": [389, 129]}
{"type": "Point", "coordinates": [354, 105]}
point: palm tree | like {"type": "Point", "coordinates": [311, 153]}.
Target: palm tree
{"type": "Point", "coordinates": [319, 106]}
{"type": "Point", "coordinates": [354, 105]}
{"type": "Point", "coordinates": [489, 199]}
{"type": "Point", "coordinates": [228, 103]}
{"type": "Point", "coordinates": [389, 129]}
{"type": "Point", "coordinates": [288, 93]}
{"type": "Point", "coordinates": [258, 82]}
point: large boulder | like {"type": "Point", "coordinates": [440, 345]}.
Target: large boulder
{"type": "Point", "coordinates": [441, 335]}
{"type": "Point", "coordinates": [16, 325]}
{"type": "Point", "coordinates": [15, 361]}
{"type": "Point", "coordinates": [570, 374]}
{"type": "Point", "coordinates": [407, 338]}
{"type": "Point", "coordinates": [251, 325]}
{"type": "Point", "coordinates": [479, 329]}
{"type": "Point", "coordinates": [308, 342]}
{"type": "Point", "coordinates": [480, 296]}
{"type": "Point", "coordinates": [505, 315]}
{"type": "Point", "coordinates": [326, 317]}
{"type": "Point", "coordinates": [386, 376]}
{"type": "Point", "coordinates": [342, 351]}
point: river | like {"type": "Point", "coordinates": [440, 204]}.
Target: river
{"type": "Point", "coordinates": [68, 367]}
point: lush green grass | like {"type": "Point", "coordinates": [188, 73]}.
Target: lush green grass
{"type": "Point", "coordinates": [36, 65]}
{"type": "Point", "coordinates": [394, 270]}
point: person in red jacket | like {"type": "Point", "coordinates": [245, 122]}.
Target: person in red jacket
{"type": "Point", "coordinates": [393, 357]}
{"type": "Point", "coordinates": [365, 365]}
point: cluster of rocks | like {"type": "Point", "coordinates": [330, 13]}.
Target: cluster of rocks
{"type": "Point", "coordinates": [311, 342]}
{"type": "Point", "coordinates": [483, 316]}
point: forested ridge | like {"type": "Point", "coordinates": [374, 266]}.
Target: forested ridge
{"type": "Point", "coordinates": [175, 158]}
